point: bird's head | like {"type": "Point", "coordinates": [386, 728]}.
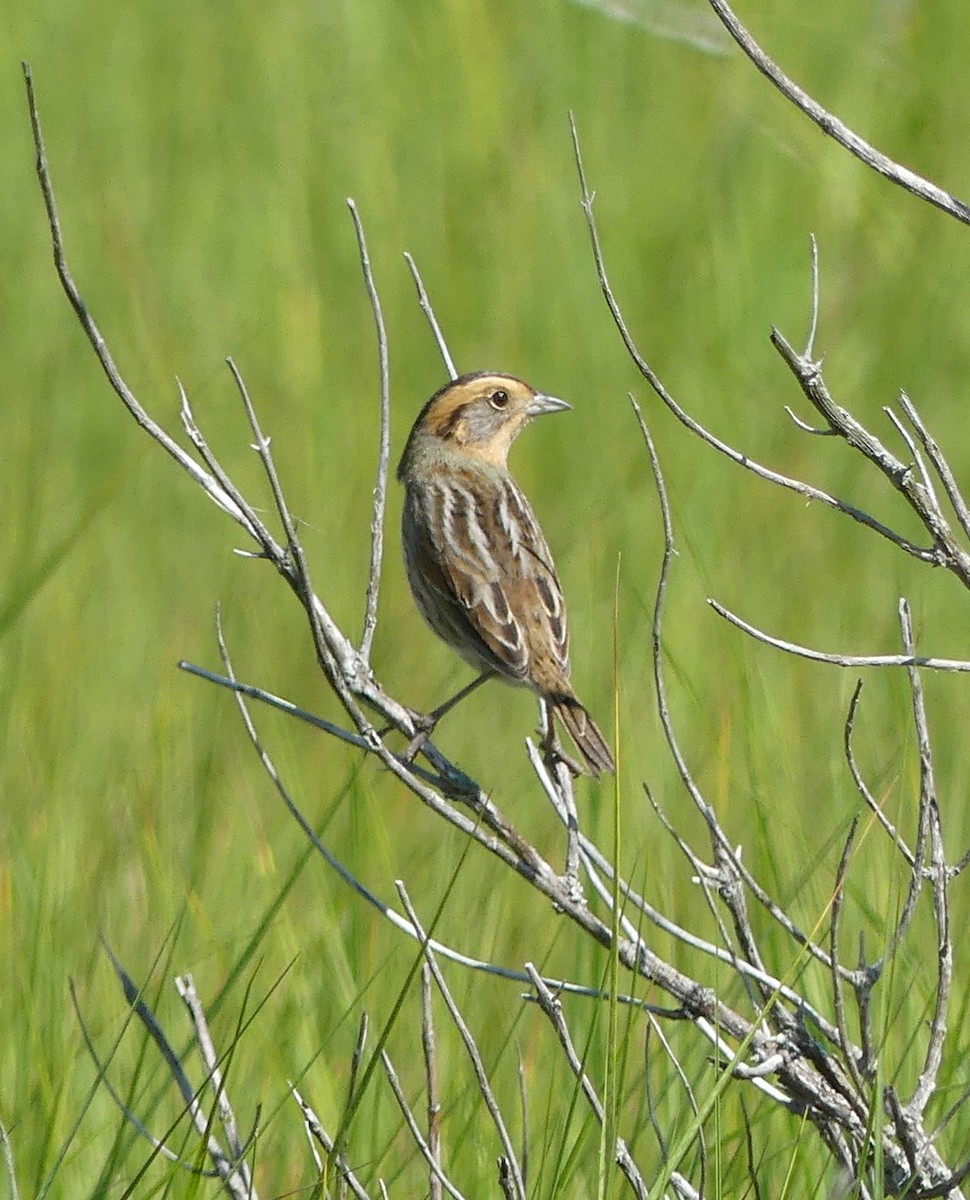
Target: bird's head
{"type": "Point", "coordinates": [479, 416]}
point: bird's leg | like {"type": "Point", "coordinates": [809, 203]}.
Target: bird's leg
{"type": "Point", "coordinates": [426, 722]}
{"type": "Point", "coordinates": [557, 760]}
{"type": "Point", "coordinates": [552, 751]}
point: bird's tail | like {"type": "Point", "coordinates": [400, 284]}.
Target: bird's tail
{"type": "Point", "coordinates": [583, 730]}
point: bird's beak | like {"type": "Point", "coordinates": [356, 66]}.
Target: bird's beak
{"type": "Point", "coordinates": [541, 403]}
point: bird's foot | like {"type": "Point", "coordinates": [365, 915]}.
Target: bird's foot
{"type": "Point", "coordinates": [424, 723]}
{"type": "Point", "coordinates": [553, 754]}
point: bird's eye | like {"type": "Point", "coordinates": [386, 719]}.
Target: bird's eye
{"type": "Point", "coordinates": [498, 399]}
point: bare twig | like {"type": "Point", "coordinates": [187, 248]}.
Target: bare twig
{"type": "Point", "coordinates": [861, 786]}
{"type": "Point", "coordinates": [299, 570]}
{"type": "Point", "coordinates": [185, 986]}
{"type": "Point", "coordinates": [254, 521]}
{"type": "Point", "coordinates": [524, 1104]}
{"type": "Point", "coordinates": [384, 444]}
{"type": "Point", "coordinates": [428, 1045]}
{"type": "Point", "coordinates": [927, 1085]}
{"type": "Point", "coordinates": [428, 311]}
{"type": "Point", "coordinates": [834, 128]}
{"type": "Point", "coordinates": [96, 339]}
{"type": "Point", "coordinates": [805, 427]}
{"type": "Point", "coordinates": [278, 702]}
{"type": "Point", "coordinates": [440, 1178]}
{"type": "Point", "coordinates": [850, 1054]}
{"type": "Point", "coordinates": [940, 464]}
{"type": "Point", "coordinates": [853, 661]}
{"type": "Point", "coordinates": [556, 781]}
{"type": "Point", "coordinates": [315, 1130]}
{"type": "Point", "coordinates": [311, 1125]}
{"type": "Point", "coordinates": [917, 458]}
{"type": "Point", "coordinates": [816, 293]}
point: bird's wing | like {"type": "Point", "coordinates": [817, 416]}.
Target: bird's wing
{"type": "Point", "coordinates": [494, 577]}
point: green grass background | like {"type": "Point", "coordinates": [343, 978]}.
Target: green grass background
{"type": "Point", "coordinates": [202, 156]}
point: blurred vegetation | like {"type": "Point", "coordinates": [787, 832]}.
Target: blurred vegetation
{"type": "Point", "coordinates": [202, 156]}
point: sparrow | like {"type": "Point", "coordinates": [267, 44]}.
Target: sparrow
{"type": "Point", "coordinates": [478, 565]}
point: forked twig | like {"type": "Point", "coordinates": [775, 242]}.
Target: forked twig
{"type": "Point", "coordinates": [471, 1049]}
{"type": "Point", "coordinates": [551, 1007]}
{"type": "Point", "coordinates": [945, 549]}
{"type": "Point", "coordinates": [925, 554]}
{"type": "Point", "coordinates": [930, 834]}
{"type": "Point", "coordinates": [718, 836]}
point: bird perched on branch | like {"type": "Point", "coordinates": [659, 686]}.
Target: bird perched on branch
{"type": "Point", "coordinates": [478, 565]}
